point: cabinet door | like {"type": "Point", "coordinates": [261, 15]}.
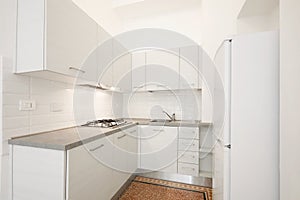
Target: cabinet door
{"type": "Point", "coordinates": [120, 159]}
{"type": "Point", "coordinates": [162, 70]}
{"type": "Point", "coordinates": [189, 62]}
{"type": "Point", "coordinates": [88, 167]}
{"type": "Point", "coordinates": [121, 67]}
{"type": "Point", "coordinates": [138, 71]}
{"type": "Point", "coordinates": [104, 58]}
{"type": "Point", "coordinates": [132, 148]}
{"type": "Point", "coordinates": [159, 148]}
{"type": "Point", "coordinates": [71, 37]}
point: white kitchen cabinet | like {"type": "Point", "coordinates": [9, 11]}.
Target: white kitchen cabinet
{"type": "Point", "coordinates": [125, 155]}
{"type": "Point", "coordinates": [138, 71]}
{"type": "Point", "coordinates": [88, 167]}
{"type": "Point", "coordinates": [189, 67]}
{"type": "Point", "coordinates": [188, 145]}
{"type": "Point", "coordinates": [132, 144]}
{"type": "Point", "coordinates": [121, 67]}
{"type": "Point", "coordinates": [188, 157]}
{"type": "Point", "coordinates": [188, 132]}
{"type": "Point", "coordinates": [37, 173]}
{"type": "Point", "coordinates": [159, 148]}
{"type": "Point", "coordinates": [188, 169]}
{"type": "Point", "coordinates": [55, 37]}
{"type": "Point", "coordinates": [95, 170]}
{"type": "Point", "coordinates": [162, 70]}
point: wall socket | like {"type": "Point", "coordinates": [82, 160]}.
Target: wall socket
{"type": "Point", "coordinates": [27, 105]}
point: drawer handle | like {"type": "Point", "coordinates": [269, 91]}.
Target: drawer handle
{"type": "Point", "coordinates": [98, 147]}
{"type": "Point", "coordinates": [120, 137]}
{"type": "Point", "coordinates": [188, 168]}
{"type": "Point", "coordinates": [187, 144]}
{"type": "Point", "coordinates": [76, 69]}
{"type": "Point", "coordinates": [133, 131]}
{"type": "Point", "coordinates": [159, 130]}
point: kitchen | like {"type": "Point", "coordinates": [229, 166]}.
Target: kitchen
{"type": "Point", "coordinates": [136, 107]}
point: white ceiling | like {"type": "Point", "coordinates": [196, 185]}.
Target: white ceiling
{"type": "Point", "coordinates": [258, 7]}
{"type": "Point", "coordinates": [144, 8]}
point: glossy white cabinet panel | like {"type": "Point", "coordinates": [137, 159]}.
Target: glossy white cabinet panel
{"type": "Point", "coordinates": [159, 148]}
{"type": "Point", "coordinates": [138, 71]}
{"type": "Point", "coordinates": [188, 169]}
{"type": "Point", "coordinates": [189, 67]}
{"type": "Point", "coordinates": [38, 173]}
{"type": "Point", "coordinates": [88, 166]}
{"type": "Point", "coordinates": [188, 132]}
{"type": "Point", "coordinates": [188, 145]}
{"type": "Point", "coordinates": [188, 157]}
{"type": "Point", "coordinates": [58, 37]}
{"type": "Point", "coordinates": [121, 67]}
{"type": "Point", "coordinates": [95, 170]}
{"type": "Point", "coordinates": [162, 70]}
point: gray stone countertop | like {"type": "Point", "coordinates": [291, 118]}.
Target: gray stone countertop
{"type": "Point", "coordinates": [68, 138]}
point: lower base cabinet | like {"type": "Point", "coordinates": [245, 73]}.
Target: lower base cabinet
{"type": "Point", "coordinates": [159, 148]}
{"type": "Point", "coordinates": [92, 171]}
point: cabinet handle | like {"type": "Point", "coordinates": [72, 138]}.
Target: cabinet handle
{"type": "Point", "coordinates": [159, 130]}
{"type": "Point", "coordinates": [121, 136]}
{"type": "Point", "coordinates": [74, 68]}
{"type": "Point", "coordinates": [98, 147]}
{"type": "Point", "coordinates": [188, 168]}
{"type": "Point", "coordinates": [133, 131]}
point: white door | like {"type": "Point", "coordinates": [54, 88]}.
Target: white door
{"type": "Point", "coordinates": [254, 117]}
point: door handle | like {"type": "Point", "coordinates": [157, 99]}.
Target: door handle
{"type": "Point", "coordinates": [228, 146]}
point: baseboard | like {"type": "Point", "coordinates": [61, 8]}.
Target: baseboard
{"type": "Point", "coordinates": [124, 187]}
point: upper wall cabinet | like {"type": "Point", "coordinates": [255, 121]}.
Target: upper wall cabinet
{"type": "Point", "coordinates": [55, 37]}
{"type": "Point", "coordinates": [178, 68]}
{"type": "Point", "coordinates": [139, 71]}
{"type": "Point", "coordinates": [162, 70]}
{"type": "Point", "coordinates": [190, 59]}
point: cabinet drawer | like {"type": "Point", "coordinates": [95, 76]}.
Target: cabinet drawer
{"type": "Point", "coordinates": [188, 169]}
{"type": "Point", "coordinates": [189, 132]}
{"type": "Point", "coordinates": [188, 145]}
{"type": "Point", "coordinates": [188, 157]}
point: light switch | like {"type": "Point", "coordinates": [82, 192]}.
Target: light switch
{"type": "Point", "coordinates": [27, 105]}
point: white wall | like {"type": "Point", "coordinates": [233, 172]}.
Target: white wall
{"type": "Point", "coordinates": [185, 104]}
{"type": "Point", "coordinates": [289, 99]}
{"type": "Point", "coordinates": [219, 22]}
{"type": "Point", "coordinates": [103, 12]}
{"type": "Point", "coordinates": [258, 23]}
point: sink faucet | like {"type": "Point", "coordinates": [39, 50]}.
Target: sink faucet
{"type": "Point", "coordinates": [171, 117]}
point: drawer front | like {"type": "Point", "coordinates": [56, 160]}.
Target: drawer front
{"type": "Point", "coordinates": [189, 132]}
{"type": "Point", "coordinates": [188, 157]}
{"type": "Point", "coordinates": [188, 145]}
{"type": "Point", "coordinates": [188, 169]}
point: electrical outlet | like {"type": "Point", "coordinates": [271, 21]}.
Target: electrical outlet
{"type": "Point", "coordinates": [27, 105]}
{"type": "Point", "coordinates": [56, 107]}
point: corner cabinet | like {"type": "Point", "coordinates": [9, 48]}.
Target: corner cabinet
{"type": "Point", "coordinates": [55, 37]}
{"type": "Point", "coordinates": [95, 170]}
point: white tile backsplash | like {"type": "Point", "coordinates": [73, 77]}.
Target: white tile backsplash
{"type": "Point", "coordinates": [185, 104]}
{"type": "Point", "coordinates": [46, 93]}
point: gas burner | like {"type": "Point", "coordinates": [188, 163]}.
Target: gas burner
{"type": "Point", "coordinates": [106, 123]}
